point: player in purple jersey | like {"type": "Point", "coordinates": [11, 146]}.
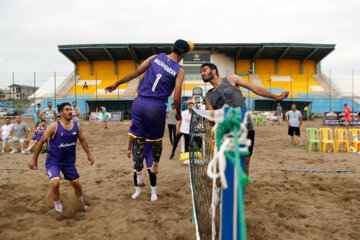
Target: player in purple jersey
{"type": "Point", "coordinates": [162, 74]}
{"type": "Point", "coordinates": [61, 156]}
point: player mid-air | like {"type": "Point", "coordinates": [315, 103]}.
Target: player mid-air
{"type": "Point", "coordinates": [61, 155]}
{"type": "Point", "coordinates": [162, 74]}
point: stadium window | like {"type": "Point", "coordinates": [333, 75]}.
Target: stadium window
{"type": "Point", "coordinates": [192, 72]}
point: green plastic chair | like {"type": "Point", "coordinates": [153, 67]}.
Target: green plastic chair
{"type": "Point", "coordinates": [264, 121]}
{"type": "Point", "coordinates": [257, 120]}
{"type": "Point", "coordinates": [313, 138]}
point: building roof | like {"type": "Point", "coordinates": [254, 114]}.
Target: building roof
{"type": "Point", "coordinates": [253, 51]}
{"type": "Point", "coordinates": [24, 86]}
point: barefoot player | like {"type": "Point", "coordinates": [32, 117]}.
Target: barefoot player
{"type": "Point", "coordinates": [162, 74]}
{"type": "Point", "coordinates": [61, 155]}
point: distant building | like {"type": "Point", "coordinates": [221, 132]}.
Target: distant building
{"type": "Point", "coordinates": [5, 94]}
{"type": "Point", "coordinates": [21, 92]}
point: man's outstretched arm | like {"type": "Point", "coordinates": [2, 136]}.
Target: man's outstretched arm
{"type": "Point", "coordinates": [140, 70]}
{"type": "Point", "coordinates": [240, 82]}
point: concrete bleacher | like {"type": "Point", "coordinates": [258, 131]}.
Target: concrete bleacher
{"type": "Point", "coordinates": [296, 83]}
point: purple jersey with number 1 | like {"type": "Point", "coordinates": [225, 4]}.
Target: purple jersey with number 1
{"type": "Point", "coordinates": [159, 80]}
{"type": "Point", "coordinates": [149, 109]}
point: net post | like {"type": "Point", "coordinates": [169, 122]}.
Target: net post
{"type": "Point", "coordinates": [230, 226]}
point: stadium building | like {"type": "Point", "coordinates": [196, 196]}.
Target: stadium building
{"type": "Point", "coordinates": [275, 66]}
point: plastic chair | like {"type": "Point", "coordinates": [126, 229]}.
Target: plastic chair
{"type": "Point", "coordinates": [264, 120]}
{"type": "Point", "coordinates": [326, 138]}
{"type": "Point", "coordinates": [341, 136]}
{"type": "Point", "coordinates": [257, 120]}
{"type": "Point", "coordinates": [355, 134]}
{"type": "Point", "coordinates": [313, 138]}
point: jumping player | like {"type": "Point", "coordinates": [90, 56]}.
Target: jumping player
{"type": "Point", "coordinates": [147, 154]}
{"type": "Point", "coordinates": [162, 74]}
{"type": "Point", "coordinates": [227, 91]}
{"type": "Point", "coordinates": [61, 155]}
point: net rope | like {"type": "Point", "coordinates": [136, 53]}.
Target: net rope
{"type": "Point", "coordinates": [230, 132]}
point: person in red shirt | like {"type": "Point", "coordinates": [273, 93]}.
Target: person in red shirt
{"type": "Point", "coordinates": [347, 112]}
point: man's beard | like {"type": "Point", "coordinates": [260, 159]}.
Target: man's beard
{"type": "Point", "coordinates": [209, 76]}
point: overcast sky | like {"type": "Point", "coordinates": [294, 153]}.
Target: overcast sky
{"type": "Point", "coordinates": [31, 30]}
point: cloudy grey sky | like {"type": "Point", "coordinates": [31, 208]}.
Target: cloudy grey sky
{"type": "Point", "coordinates": [32, 29]}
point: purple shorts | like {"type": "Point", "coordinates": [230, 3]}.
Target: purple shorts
{"type": "Point", "coordinates": [148, 118]}
{"type": "Point", "coordinates": [147, 154]}
{"type": "Point", "coordinates": [70, 173]}
{"type": "Point", "coordinates": [37, 137]}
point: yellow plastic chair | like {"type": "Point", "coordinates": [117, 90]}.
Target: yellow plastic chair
{"type": "Point", "coordinates": [341, 136]}
{"type": "Point", "coordinates": [354, 135]}
{"type": "Point", "coordinates": [326, 138]}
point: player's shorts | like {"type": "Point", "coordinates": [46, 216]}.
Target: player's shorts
{"type": "Point", "coordinates": [37, 137]}
{"type": "Point", "coordinates": [104, 117]}
{"type": "Point", "coordinates": [37, 120]}
{"type": "Point", "coordinates": [293, 130]}
{"type": "Point", "coordinates": [70, 173]}
{"type": "Point", "coordinates": [251, 136]}
{"type": "Point", "coordinates": [148, 118]}
{"type": "Point", "coordinates": [348, 117]}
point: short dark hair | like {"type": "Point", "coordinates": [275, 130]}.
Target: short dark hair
{"type": "Point", "coordinates": [49, 102]}
{"type": "Point", "coordinates": [61, 106]}
{"type": "Point", "coordinates": [180, 47]}
{"type": "Point", "coordinates": [74, 102]}
{"type": "Point", "coordinates": [7, 118]}
{"type": "Point", "coordinates": [38, 104]}
{"type": "Point", "coordinates": [211, 66]}
{"type": "Point", "coordinates": [43, 120]}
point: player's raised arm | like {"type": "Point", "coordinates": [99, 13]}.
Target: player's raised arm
{"type": "Point", "coordinates": [47, 134]}
{"type": "Point", "coordinates": [177, 94]}
{"type": "Point", "coordinates": [140, 70]}
{"type": "Point", "coordinates": [240, 82]}
{"type": "Point", "coordinates": [84, 145]}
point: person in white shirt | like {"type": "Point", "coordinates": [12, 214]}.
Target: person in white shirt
{"type": "Point", "coordinates": [183, 130]}
{"type": "Point", "coordinates": [294, 121]}
{"type": "Point", "coordinates": [75, 112]}
{"type": "Point", "coordinates": [5, 133]}
{"type": "Point", "coordinates": [203, 105]}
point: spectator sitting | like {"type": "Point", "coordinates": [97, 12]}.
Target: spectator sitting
{"type": "Point", "coordinates": [20, 132]}
{"type": "Point", "coordinates": [38, 134]}
{"type": "Point", "coordinates": [85, 86]}
{"type": "Point", "coordinates": [5, 131]}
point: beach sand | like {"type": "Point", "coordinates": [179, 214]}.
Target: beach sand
{"type": "Point", "coordinates": [279, 205]}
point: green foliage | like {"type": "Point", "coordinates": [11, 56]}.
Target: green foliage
{"type": "Point", "coordinates": [19, 105]}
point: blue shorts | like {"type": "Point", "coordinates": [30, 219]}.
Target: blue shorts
{"type": "Point", "coordinates": [70, 173]}
{"type": "Point", "coordinates": [148, 118]}
{"type": "Point", "coordinates": [104, 117]}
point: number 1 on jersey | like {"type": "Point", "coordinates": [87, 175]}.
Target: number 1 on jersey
{"type": "Point", "coordinates": [158, 76]}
